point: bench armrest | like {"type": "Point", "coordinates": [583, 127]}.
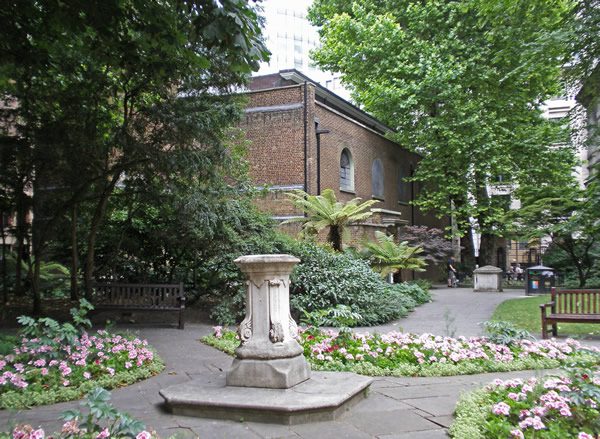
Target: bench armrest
{"type": "Point", "coordinates": [544, 306]}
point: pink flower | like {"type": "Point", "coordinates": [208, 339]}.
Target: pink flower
{"type": "Point", "coordinates": [584, 435]}
{"type": "Point", "coordinates": [516, 434]}
{"type": "Point", "coordinates": [87, 375]}
{"type": "Point", "coordinates": [143, 435]}
{"type": "Point", "coordinates": [70, 427]}
{"type": "Point", "coordinates": [44, 371]}
{"type": "Point", "coordinates": [103, 434]}
{"type": "Point", "coordinates": [501, 408]}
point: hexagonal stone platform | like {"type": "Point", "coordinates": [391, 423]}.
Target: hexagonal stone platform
{"type": "Point", "coordinates": [324, 397]}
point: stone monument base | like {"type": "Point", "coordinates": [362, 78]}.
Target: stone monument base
{"type": "Point", "coordinates": [324, 397]}
{"type": "Point", "coordinates": [281, 373]}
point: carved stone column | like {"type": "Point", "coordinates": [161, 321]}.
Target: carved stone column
{"type": "Point", "coordinates": [268, 356]}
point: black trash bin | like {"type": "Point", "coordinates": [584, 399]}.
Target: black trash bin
{"type": "Point", "coordinates": [540, 280]}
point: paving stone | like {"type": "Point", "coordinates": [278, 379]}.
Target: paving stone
{"type": "Point", "coordinates": [329, 430]}
{"type": "Point", "coordinates": [437, 406]}
{"type": "Point", "coordinates": [409, 392]}
{"type": "Point", "coordinates": [272, 431]}
{"type": "Point", "coordinates": [393, 421]}
{"type": "Point", "coordinates": [427, 434]}
{"type": "Point", "coordinates": [378, 402]}
{"type": "Point", "coordinates": [382, 383]}
{"type": "Point", "coordinates": [442, 421]}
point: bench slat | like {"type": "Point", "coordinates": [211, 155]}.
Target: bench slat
{"type": "Point", "coordinates": [571, 306]}
{"type": "Point", "coordinates": [147, 297]}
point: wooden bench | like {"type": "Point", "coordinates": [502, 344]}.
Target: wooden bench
{"type": "Point", "coordinates": [140, 297]}
{"type": "Point", "coordinates": [570, 306]}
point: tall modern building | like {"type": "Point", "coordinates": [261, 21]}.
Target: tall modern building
{"type": "Point", "coordinates": [290, 37]}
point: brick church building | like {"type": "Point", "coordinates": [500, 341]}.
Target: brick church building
{"type": "Point", "coordinates": [303, 136]}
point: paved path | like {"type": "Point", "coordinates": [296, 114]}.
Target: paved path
{"type": "Point", "coordinates": [396, 407]}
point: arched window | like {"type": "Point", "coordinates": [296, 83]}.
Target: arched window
{"type": "Point", "coordinates": [377, 178]}
{"type": "Point", "coordinates": [403, 185]}
{"type": "Point", "coordinates": [346, 171]}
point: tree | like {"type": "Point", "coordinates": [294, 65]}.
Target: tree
{"type": "Point", "coordinates": [324, 211]}
{"type": "Point", "coordinates": [107, 90]}
{"type": "Point", "coordinates": [568, 215]}
{"type": "Point", "coordinates": [436, 248]}
{"type": "Point", "coordinates": [451, 78]}
{"type": "Point", "coordinates": [388, 257]}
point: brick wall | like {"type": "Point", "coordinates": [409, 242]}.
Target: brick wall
{"type": "Point", "coordinates": [274, 123]}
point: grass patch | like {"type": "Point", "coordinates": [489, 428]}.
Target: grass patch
{"type": "Point", "coordinates": [524, 313]}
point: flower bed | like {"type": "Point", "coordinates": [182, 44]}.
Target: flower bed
{"type": "Point", "coordinates": [405, 354]}
{"type": "Point", "coordinates": [555, 407]}
{"type": "Point", "coordinates": [38, 373]}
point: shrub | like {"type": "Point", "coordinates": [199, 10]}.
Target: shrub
{"type": "Point", "coordinates": [551, 407]}
{"type": "Point", "coordinates": [100, 420]}
{"type": "Point", "coordinates": [55, 362]}
{"type": "Point", "coordinates": [505, 333]}
{"type": "Point", "coordinates": [321, 281]}
{"type": "Point", "coordinates": [406, 354]}
{"type": "Point", "coordinates": [325, 279]}
{"type": "Point", "coordinates": [415, 291]}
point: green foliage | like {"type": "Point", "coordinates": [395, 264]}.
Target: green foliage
{"type": "Point", "coordinates": [414, 290]}
{"type": "Point", "coordinates": [524, 313]}
{"type": "Point", "coordinates": [424, 284]}
{"type": "Point", "coordinates": [345, 351]}
{"type": "Point", "coordinates": [30, 397]}
{"type": "Point", "coordinates": [7, 344]}
{"type": "Point", "coordinates": [563, 406]}
{"type": "Point", "coordinates": [322, 280]}
{"type": "Point", "coordinates": [562, 262]}
{"type": "Point", "coordinates": [325, 279]}
{"type": "Point", "coordinates": [324, 211]}
{"type": "Point", "coordinates": [455, 82]}
{"type": "Point", "coordinates": [505, 333]}
{"type": "Point", "coordinates": [387, 256]}
{"type": "Point", "coordinates": [48, 332]}
{"type": "Point", "coordinates": [222, 283]}
{"type": "Point", "coordinates": [568, 215]}
{"type": "Point", "coordinates": [152, 109]}
{"type": "Point", "coordinates": [227, 342]}
{"type": "Point", "coordinates": [101, 414]}
{"type": "Point", "coordinates": [340, 316]}
{"type": "Point", "coordinates": [471, 412]}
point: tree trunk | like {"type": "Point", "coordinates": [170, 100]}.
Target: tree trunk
{"type": "Point", "coordinates": [20, 237]}
{"type": "Point", "coordinates": [4, 280]}
{"type": "Point", "coordinates": [74, 255]}
{"type": "Point", "coordinates": [487, 249]}
{"type": "Point", "coordinates": [93, 233]}
{"type": "Point", "coordinates": [468, 253]}
{"type": "Point", "coordinates": [35, 286]}
{"type": "Point", "coordinates": [335, 238]}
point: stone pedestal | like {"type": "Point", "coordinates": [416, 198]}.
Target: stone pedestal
{"type": "Point", "coordinates": [487, 278]}
{"type": "Point", "coordinates": [269, 378]}
{"type": "Point", "coordinates": [269, 356]}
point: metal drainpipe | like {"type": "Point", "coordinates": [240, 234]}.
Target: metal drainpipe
{"type": "Point", "coordinates": [305, 137]}
{"type": "Point", "coordinates": [318, 132]}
